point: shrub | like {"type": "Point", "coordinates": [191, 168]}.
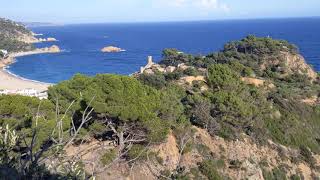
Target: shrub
{"type": "Point", "coordinates": [137, 152]}
{"type": "Point", "coordinates": [172, 57]}
{"type": "Point", "coordinates": [220, 76]}
{"type": "Point", "coordinates": [109, 156]}
{"type": "Point", "coordinates": [276, 174]}
{"type": "Point", "coordinates": [176, 75]}
{"type": "Point", "coordinates": [307, 156]}
{"type": "Point", "coordinates": [208, 168]}
{"type": "Point", "coordinates": [97, 128]}
{"type": "Point", "coordinates": [190, 71]}
{"type": "Point", "coordinates": [156, 80]}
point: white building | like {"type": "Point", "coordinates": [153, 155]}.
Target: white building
{"type": "Point", "coordinates": [25, 92]}
{"type": "Point", "coordinates": [4, 92]}
{"type": "Point", "coordinates": [4, 52]}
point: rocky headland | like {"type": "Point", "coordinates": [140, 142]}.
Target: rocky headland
{"type": "Point", "coordinates": [11, 57]}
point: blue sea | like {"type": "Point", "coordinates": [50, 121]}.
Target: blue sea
{"type": "Point", "coordinates": [81, 44]}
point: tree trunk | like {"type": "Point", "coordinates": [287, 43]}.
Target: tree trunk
{"type": "Point", "coordinates": [121, 141]}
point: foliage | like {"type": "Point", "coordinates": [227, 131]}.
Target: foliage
{"type": "Point", "coordinates": [208, 168]}
{"type": "Point", "coordinates": [129, 106]}
{"type": "Point", "coordinates": [190, 71]}
{"type": "Point", "coordinates": [14, 163]}
{"type": "Point", "coordinates": [222, 77]}
{"type": "Point", "coordinates": [26, 115]}
{"type": "Point", "coordinates": [260, 46]}
{"type": "Point", "coordinates": [109, 156]}
{"type": "Point", "coordinates": [276, 174]}
{"type": "Point", "coordinates": [156, 80]}
{"type": "Point", "coordinates": [173, 57]}
{"type": "Point", "coordinates": [138, 152]}
{"type": "Point", "coordinates": [13, 45]}
{"type": "Point", "coordinates": [307, 156]}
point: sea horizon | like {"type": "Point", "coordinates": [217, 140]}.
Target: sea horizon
{"type": "Point", "coordinates": [169, 21]}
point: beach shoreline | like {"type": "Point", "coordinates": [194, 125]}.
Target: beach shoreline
{"type": "Point", "coordinates": [12, 82]}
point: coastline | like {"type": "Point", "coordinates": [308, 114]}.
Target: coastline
{"type": "Point", "coordinates": [12, 82]}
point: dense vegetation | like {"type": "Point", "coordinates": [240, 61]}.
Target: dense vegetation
{"type": "Point", "coordinates": [135, 113]}
{"type": "Point", "coordinates": [233, 107]}
{"type": "Point", "coordinates": [9, 34]}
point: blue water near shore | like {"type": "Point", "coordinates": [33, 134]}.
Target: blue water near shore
{"type": "Point", "coordinates": [82, 44]}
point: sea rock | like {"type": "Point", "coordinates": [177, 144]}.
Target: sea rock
{"type": "Point", "coordinates": [110, 49]}
{"type": "Point", "coordinates": [50, 39]}
{"type": "Point", "coordinates": [53, 49]}
{"type": "Point", "coordinates": [42, 39]}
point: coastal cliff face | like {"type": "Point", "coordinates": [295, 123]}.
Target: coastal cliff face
{"type": "Point", "coordinates": [290, 63]}
{"type": "Point", "coordinates": [297, 64]}
{"type": "Point", "coordinates": [27, 38]}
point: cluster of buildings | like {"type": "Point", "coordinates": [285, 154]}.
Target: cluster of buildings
{"type": "Point", "coordinates": [25, 92]}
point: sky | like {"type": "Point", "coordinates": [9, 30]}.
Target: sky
{"type": "Point", "coordinates": [96, 11]}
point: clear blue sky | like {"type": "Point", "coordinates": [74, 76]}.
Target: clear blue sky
{"type": "Point", "coordinates": [82, 11]}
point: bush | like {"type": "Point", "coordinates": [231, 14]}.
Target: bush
{"type": "Point", "coordinates": [154, 80]}
{"type": "Point", "coordinates": [172, 57]}
{"type": "Point", "coordinates": [190, 71]}
{"type": "Point", "coordinates": [176, 75]}
{"type": "Point", "coordinates": [97, 128]}
{"type": "Point", "coordinates": [220, 77]}
{"type": "Point", "coordinates": [276, 174]}
{"type": "Point", "coordinates": [109, 156]}
{"type": "Point", "coordinates": [208, 168]}
{"type": "Point", "coordinates": [307, 156]}
{"type": "Point", "coordinates": [137, 152]}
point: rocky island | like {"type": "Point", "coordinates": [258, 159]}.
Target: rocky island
{"type": "Point", "coordinates": [111, 49]}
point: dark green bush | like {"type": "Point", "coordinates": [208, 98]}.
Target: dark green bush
{"type": "Point", "coordinates": [190, 71]}
{"type": "Point", "coordinates": [156, 80]}
{"type": "Point", "coordinates": [220, 77]}
{"type": "Point", "coordinates": [208, 168]}
{"type": "Point", "coordinates": [138, 152]}
{"type": "Point", "coordinates": [109, 156]}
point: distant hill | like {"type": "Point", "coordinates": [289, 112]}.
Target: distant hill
{"type": "Point", "coordinates": [39, 24]}
{"type": "Point", "coordinates": [15, 36]}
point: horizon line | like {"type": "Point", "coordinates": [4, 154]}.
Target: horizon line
{"type": "Point", "coordinates": [170, 21]}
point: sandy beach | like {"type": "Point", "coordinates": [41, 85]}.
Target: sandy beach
{"type": "Point", "coordinates": [12, 82]}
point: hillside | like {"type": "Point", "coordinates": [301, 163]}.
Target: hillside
{"type": "Point", "coordinates": [15, 37]}
{"type": "Point", "coordinates": [250, 111]}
